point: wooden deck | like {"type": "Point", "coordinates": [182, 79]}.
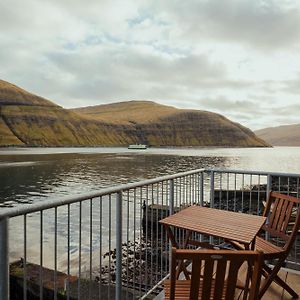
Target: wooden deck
{"type": "Point", "coordinates": [274, 292]}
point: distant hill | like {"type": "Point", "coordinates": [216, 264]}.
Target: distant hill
{"type": "Point", "coordinates": [286, 135]}
{"type": "Point", "coordinates": [30, 120]}
{"type": "Point", "coordinates": [162, 125]}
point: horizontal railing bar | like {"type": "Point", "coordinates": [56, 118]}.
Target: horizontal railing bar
{"type": "Point", "coordinates": [52, 203]}
{"type": "Point", "coordinates": [252, 172]}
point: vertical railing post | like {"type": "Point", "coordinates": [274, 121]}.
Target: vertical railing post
{"type": "Point", "coordinates": [269, 188]}
{"type": "Point", "coordinates": [171, 211]}
{"type": "Point", "coordinates": [269, 185]}
{"type": "Point", "coordinates": [212, 188]}
{"type": "Point", "coordinates": [4, 261]}
{"type": "Point", "coordinates": [212, 196]}
{"type": "Point", "coordinates": [171, 197]}
{"type": "Point", "coordinates": [201, 194]}
{"type": "Point", "coordinates": [119, 246]}
{"type": "Point", "coordinates": [201, 185]}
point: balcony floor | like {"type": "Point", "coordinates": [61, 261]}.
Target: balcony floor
{"type": "Point", "coordinates": [274, 292]}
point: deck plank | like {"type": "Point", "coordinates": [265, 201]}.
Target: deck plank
{"type": "Point", "coordinates": [274, 292]}
{"type": "Point", "coordinates": [277, 292]}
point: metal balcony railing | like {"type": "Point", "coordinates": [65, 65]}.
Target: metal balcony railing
{"type": "Point", "coordinates": [109, 244]}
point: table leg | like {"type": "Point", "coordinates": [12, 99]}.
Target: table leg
{"type": "Point", "coordinates": [187, 238]}
{"type": "Point", "coordinates": [171, 237]}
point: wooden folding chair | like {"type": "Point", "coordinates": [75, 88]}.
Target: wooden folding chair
{"type": "Point", "coordinates": [214, 274]}
{"type": "Point", "coordinates": [277, 238]}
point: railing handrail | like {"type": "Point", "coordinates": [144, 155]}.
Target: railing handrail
{"type": "Point", "coordinates": [266, 173]}
{"type": "Point", "coordinates": [52, 203]}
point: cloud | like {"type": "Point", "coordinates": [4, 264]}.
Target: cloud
{"type": "Point", "coordinates": [260, 24]}
{"type": "Point", "coordinates": [288, 111]}
{"type": "Point", "coordinates": [116, 71]}
{"type": "Point", "coordinates": [229, 105]}
{"type": "Point", "coordinates": [292, 86]}
{"type": "Point", "coordinates": [238, 58]}
{"type": "Point", "coordinates": [241, 111]}
{"type": "Point", "coordinates": [255, 114]}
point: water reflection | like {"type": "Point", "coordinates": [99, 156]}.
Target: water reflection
{"type": "Point", "coordinates": [45, 176]}
{"type": "Point", "coordinates": [29, 175]}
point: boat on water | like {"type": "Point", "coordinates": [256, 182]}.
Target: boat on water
{"type": "Point", "coordinates": [138, 146]}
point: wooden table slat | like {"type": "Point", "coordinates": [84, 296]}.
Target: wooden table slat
{"type": "Point", "coordinates": [220, 223]}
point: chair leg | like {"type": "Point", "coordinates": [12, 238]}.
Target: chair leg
{"type": "Point", "coordinates": [182, 268]}
{"type": "Point", "coordinates": [274, 277]}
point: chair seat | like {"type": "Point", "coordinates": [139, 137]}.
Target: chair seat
{"type": "Point", "coordinates": [182, 289]}
{"type": "Point", "coordinates": [269, 250]}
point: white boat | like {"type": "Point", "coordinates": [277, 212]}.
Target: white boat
{"type": "Point", "coordinates": [137, 146]}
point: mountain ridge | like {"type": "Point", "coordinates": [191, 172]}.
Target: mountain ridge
{"type": "Point", "coordinates": [284, 135]}
{"type": "Point", "coordinates": [126, 112]}
{"type": "Point", "coordinates": [30, 120]}
{"type": "Point", "coordinates": [10, 94]}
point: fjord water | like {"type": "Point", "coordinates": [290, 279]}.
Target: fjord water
{"type": "Point", "coordinates": [33, 174]}
{"type": "Point", "coordinates": [29, 175]}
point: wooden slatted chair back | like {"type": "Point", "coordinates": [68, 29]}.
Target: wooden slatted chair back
{"type": "Point", "coordinates": [283, 215]}
{"type": "Point", "coordinates": [215, 272]}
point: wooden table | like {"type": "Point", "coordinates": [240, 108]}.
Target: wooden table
{"type": "Point", "coordinates": [228, 225]}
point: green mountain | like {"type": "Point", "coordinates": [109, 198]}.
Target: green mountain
{"type": "Point", "coordinates": [286, 135]}
{"type": "Point", "coordinates": [29, 120]}
{"type": "Point", "coordinates": [161, 125]}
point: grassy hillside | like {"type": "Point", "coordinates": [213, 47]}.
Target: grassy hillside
{"type": "Point", "coordinates": [286, 135]}
{"type": "Point", "coordinates": [128, 112]}
{"type": "Point", "coordinates": [7, 137]}
{"type": "Point", "coordinates": [30, 120]}
{"type": "Point", "coordinates": [202, 128]}
{"type": "Point", "coordinates": [11, 94]}
{"type": "Point", "coordinates": [44, 126]}
{"type": "Point", "coordinates": [161, 125]}
{"type": "Point", "coordinates": [27, 119]}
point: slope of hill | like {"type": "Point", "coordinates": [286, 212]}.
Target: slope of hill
{"type": "Point", "coordinates": [286, 135]}
{"type": "Point", "coordinates": [11, 94]}
{"type": "Point", "coordinates": [162, 125]}
{"type": "Point", "coordinates": [29, 120]}
{"type": "Point", "coordinates": [127, 112]}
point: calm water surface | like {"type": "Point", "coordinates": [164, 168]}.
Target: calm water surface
{"type": "Point", "coordinates": [33, 174]}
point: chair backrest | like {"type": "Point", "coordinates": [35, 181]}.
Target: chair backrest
{"type": "Point", "coordinates": [215, 272]}
{"type": "Point", "coordinates": [283, 213]}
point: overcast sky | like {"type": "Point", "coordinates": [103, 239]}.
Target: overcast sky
{"type": "Point", "coordinates": [240, 58]}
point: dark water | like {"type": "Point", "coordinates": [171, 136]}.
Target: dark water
{"type": "Point", "coordinates": [28, 175]}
